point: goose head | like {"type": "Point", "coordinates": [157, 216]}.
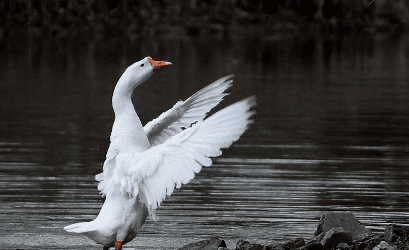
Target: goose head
{"type": "Point", "coordinates": [136, 74]}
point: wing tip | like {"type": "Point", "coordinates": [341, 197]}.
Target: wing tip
{"type": "Point", "coordinates": [249, 102]}
{"type": "Point", "coordinates": [252, 100]}
{"type": "Point", "coordinates": [229, 76]}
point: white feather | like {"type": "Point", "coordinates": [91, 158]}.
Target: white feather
{"type": "Point", "coordinates": [183, 114]}
{"type": "Point", "coordinates": [160, 169]}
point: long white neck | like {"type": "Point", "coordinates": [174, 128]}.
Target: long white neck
{"type": "Point", "coordinates": [127, 131]}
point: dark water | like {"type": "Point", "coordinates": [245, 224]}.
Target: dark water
{"type": "Point", "coordinates": [331, 134]}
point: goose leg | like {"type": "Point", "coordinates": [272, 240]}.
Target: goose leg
{"type": "Point", "coordinates": [121, 235]}
{"type": "Point", "coordinates": [118, 245]}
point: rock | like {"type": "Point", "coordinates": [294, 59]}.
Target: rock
{"type": "Point", "coordinates": [319, 237]}
{"type": "Point", "coordinates": [398, 235]}
{"type": "Point", "coordinates": [275, 247]}
{"type": "Point", "coordinates": [245, 245]}
{"type": "Point", "coordinates": [394, 232]}
{"type": "Point", "coordinates": [312, 246]}
{"type": "Point", "coordinates": [345, 220]}
{"type": "Point", "coordinates": [335, 236]}
{"type": "Point", "coordinates": [211, 244]}
{"type": "Point", "coordinates": [384, 246]}
{"type": "Point", "coordinates": [290, 245]}
{"type": "Point", "coordinates": [294, 244]}
{"type": "Point", "coordinates": [367, 244]}
{"type": "Point", "coordinates": [342, 246]}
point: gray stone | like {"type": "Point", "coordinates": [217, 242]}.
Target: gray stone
{"type": "Point", "coordinates": [367, 244]}
{"type": "Point", "coordinates": [312, 246]}
{"type": "Point", "coordinates": [394, 232]}
{"type": "Point", "coordinates": [245, 245]}
{"type": "Point", "coordinates": [211, 244]}
{"type": "Point", "coordinates": [275, 247]}
{"type": "Point", "coordinates": [319, 237]}
{"type": "Point", "coordinates": [289, 245]}
{"type": "Point", "coordinates": [335, 236]}
{"type": "Point", "coordinates": [398, 235]}
{"type": "Point", "coordinates": [384, 246]}
{"type": "Point", "coordinates": [294, 244]}
{"type": "Point", "coordinates": [345, 220]}
{"type": "Point", "coordinates": [342, 246]}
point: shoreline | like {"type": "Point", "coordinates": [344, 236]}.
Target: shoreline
{"type": "Point", "coordinates": [335, 230]}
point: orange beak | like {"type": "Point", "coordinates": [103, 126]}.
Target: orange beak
{"type": "Point", "coordinates": [158, 64]}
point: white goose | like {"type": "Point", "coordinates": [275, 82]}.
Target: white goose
{"type": "Point", "coordinates": [144, 164]}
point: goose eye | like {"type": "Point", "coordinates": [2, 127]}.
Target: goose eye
{"type": "Point", "coordinates": [142, 65]}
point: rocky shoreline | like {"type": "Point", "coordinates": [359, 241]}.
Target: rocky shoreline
{"type": "Point", "coordinates": [336, 230]}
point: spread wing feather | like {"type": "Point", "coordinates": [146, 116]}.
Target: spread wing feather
{"type": "Point", "coordinates": [184, 113]}
{"type": "Point", "coordinates": [170, 123]}
{"type": "Point", "coordinates": [156, 172]}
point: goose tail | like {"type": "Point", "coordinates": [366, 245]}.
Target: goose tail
{"type": "Point", "coordinates": [82, 227]}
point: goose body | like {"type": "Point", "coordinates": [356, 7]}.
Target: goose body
{"type": "Point", "coordinates": [144, 164]}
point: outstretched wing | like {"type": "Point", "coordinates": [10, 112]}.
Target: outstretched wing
{"type": "Point", "coordinates": [183, 114]}
{"type": "Point", "coordinates": [155, 173]}
{"type": "Point", "coordinates": [170, 123]}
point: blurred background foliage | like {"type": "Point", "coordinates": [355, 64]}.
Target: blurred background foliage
{"type": "Point", "coordinates": [194, 17]}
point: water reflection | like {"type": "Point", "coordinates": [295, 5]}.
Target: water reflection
{"type": "Point", "coordinates": [331, 132]}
